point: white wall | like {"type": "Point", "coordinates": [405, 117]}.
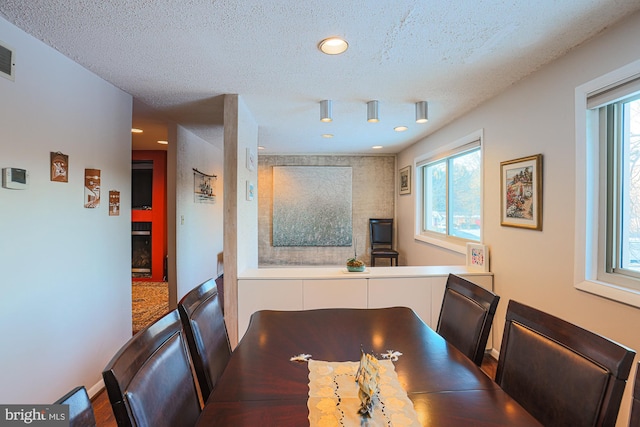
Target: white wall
{"type": "Point", "coordinates": [247, 210]}
{"type": "Point", "coordinates": [65, 278]}
{"type": "Point", "coordinates": [199, 226]}
{"type": "Point", "coordinates": [240, 214]}
{"type": "Point", "coordinates": [537, 116]}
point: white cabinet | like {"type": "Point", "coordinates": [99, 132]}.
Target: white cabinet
{"type": "Point", "coordinates": [334, 293]}
{"type": "Point", "coordinates": [419, 288]}
{"type": "Point", "coordinates": [412, 292]}
{"type": "Point", "coordinates": [422, 294]}
{"type": "Point", "coordinates": [270, 294]}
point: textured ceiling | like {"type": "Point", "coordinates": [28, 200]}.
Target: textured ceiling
{"type": "Point", "coordinates": [180, 57]}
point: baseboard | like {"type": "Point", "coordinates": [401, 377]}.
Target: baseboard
{"type": "Point", "coordinates": [95, 389]}
{"type": "Point", "coordinates": [494, 353]}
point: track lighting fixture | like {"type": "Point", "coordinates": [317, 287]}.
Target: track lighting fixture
{"type": "Point", "coordinates": [372, 112]}
{"type": "Point", "coordinates": [325, 111]}
{"type": "Point", "coordinates": [422, 112]}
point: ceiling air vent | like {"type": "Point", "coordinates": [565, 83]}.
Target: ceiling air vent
{"type": "Point", "coordinates": [7, 59]}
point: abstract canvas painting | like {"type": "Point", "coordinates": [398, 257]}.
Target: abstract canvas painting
{"type": "Point", "coordinates": [312, 206]}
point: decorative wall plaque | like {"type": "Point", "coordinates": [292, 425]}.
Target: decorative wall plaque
{"type": "Point", "coordinates": [114, 203]}
{"type": "Point", "coordinates": [91, 188]}
{"type": "Point", "coordinates": [59, 167]}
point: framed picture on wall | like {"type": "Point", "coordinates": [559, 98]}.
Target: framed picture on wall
{"type": "Point", "coordinates": [521, 192]}
{"type": "Point", "coordinates": [477, 257]}
{"type": "Point", "coordinates": [405, 180]}
{"type": "Point", "coordinates": [59, 167]}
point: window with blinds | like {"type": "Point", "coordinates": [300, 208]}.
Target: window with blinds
{"type": "Point", "coordinates": [616, 115]}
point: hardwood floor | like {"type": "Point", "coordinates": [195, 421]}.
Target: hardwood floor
{"type": "Point", "coordinates": [102, 410]}
{"type": "Point", "coordinates": [104, 414]}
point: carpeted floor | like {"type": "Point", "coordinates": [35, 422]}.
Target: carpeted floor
{"type": "Point", "coordinates": [149, 300]}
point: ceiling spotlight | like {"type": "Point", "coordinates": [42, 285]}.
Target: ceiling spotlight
{"type": "Point", "coordinates": [163, 142]}
{"type": "Point", "coordinates": [136, 130]}
{"type": "Point", "coordinates": [333, 45]}
{"type": "Point", "coordinates": [325, 111]}
{"type": "Point", "coordinates": [372, 112]}
{"type": "Point", "coordinates": [400, 128]}
{"type": "Point", "coordinates": [260, 147]}
{"type": "Point", "coordinates": [422, 112]}
{"type": "Point", "coordinates": [377, 147]}
{"type": "Point", "coordinates": [327, 135]}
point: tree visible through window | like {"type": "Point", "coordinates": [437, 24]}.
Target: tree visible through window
{"type": "Point", "coordinates": [626, 147]}
{"type": "Point", "coordinates": [452, 194]}
{"type": "Point", "coordinates": [607, 215]}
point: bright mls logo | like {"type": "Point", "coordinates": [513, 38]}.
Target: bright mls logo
{"type": "Point", "coordinates": [34, 415]}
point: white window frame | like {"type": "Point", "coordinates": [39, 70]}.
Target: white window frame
{"type": "Point", "coordinates": [455, 244]}
{"type": "Point", "coordinates": [589, 213]}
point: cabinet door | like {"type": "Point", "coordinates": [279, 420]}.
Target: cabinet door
{"type": "Point", "coordinates": [255, 295]}
{"type": "Point", "coordinates": [412, 292]}
{"type": "Point", "coordinates": [335, 293]}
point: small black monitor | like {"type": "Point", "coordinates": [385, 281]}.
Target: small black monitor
{"type": "Point", "coordinates": [141, 184]}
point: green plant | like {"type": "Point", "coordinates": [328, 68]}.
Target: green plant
{"type": "Point", "coordinates": [354, 262]}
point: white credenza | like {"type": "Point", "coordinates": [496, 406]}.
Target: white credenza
{"type": "Point", "coordinates": [419, 288]}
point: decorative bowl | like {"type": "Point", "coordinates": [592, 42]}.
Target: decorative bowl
{"type": "Point", "coordinates": [355, 265]}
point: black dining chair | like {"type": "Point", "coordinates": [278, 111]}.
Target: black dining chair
{"type": "Point", "coordinates": [201, 314]}
{"type": "Point", "coordinates": [150, 380]}
{"type": "Point", "coordinates": [466, 316]}
{"type": "Point", "coordinates": [560, 373]}
{"type": "Point", "coordinates": [634, 420]}
{"type": "Point", "coordinates": [80, 409]}
{"type": "Point", "coordinates": [381, 240]}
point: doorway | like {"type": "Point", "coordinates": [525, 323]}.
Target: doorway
{"type": "Point", "coordinates": [149, 282]}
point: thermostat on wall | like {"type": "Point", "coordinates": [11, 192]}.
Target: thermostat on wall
{"type": "Point", "coordinates": [15, 178]}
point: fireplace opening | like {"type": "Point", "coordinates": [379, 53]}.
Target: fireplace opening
{"type": "Point", "coordinates": [141, 249]}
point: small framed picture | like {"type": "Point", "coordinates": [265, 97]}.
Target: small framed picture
{"type": "Point", "coordinates": [521, 192]}
{"type": "Point", "coordinates": [405, 180]}
{"type": "Point", "coordinates": [477, 257]}
{"type": "Point", "coordinates": [59, 167]}
{"type": "Point", "coordinates": [114, 203]}
{"type": "Point", "coordinates": [91, 188]}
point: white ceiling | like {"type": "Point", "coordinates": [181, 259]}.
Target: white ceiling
{"type": "Point", "coordinates": [180, 56]}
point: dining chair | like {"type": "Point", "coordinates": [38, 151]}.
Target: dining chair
{"type": "Point", "coordinates": [80, 409]}
{"type": "Point", "coordinates": [560, 373]}
{"type": "Point", "coordinates": [207, 338]}
{"type": "Point", "coordinates": [381, 240]}
{"type": "Point", "coordinates": [150, 381]}
{"type": "Point", "coordinates": [634, 420]}
{"type": "Point", "coordinates": [466, 315]}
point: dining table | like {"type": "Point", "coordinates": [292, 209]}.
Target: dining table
{"type": "Point", "coordinates": [262, 386]}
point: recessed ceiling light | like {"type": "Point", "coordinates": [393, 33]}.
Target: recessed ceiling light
{"type": "Point", "coordinates": [136, 130]}
{"type": "Point", "coordinates": [327, 135]}
{"type": "Point", "coordinates": [333, 45]}
{"type": "Point", "coordinates": [260, 147]}
{"type": "Point", "coordinates": [163, 142]}
{"type": "Point", "coordinates": [400, 128]}
{"type": "Point", "coordinates": [377, 147]}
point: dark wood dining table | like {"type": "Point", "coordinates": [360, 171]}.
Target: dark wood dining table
{"type": "Point", "coordinates": [262, 387]}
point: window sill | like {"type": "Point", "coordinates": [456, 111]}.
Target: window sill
{"type": "Point", "coordinates": [443, 243]}
{"type": "Point", "coordinates": [610, 291]}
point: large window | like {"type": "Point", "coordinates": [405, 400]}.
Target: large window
{"type": "Point", "coordinates": [607, 211]}
{"type": "Point", "coordinates": [619, 139]}
{"type": "Point", "coordinates": [450, 193]}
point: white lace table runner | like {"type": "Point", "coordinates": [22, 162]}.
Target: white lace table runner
{"type": "Point", "coordinates": [333, 397]}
